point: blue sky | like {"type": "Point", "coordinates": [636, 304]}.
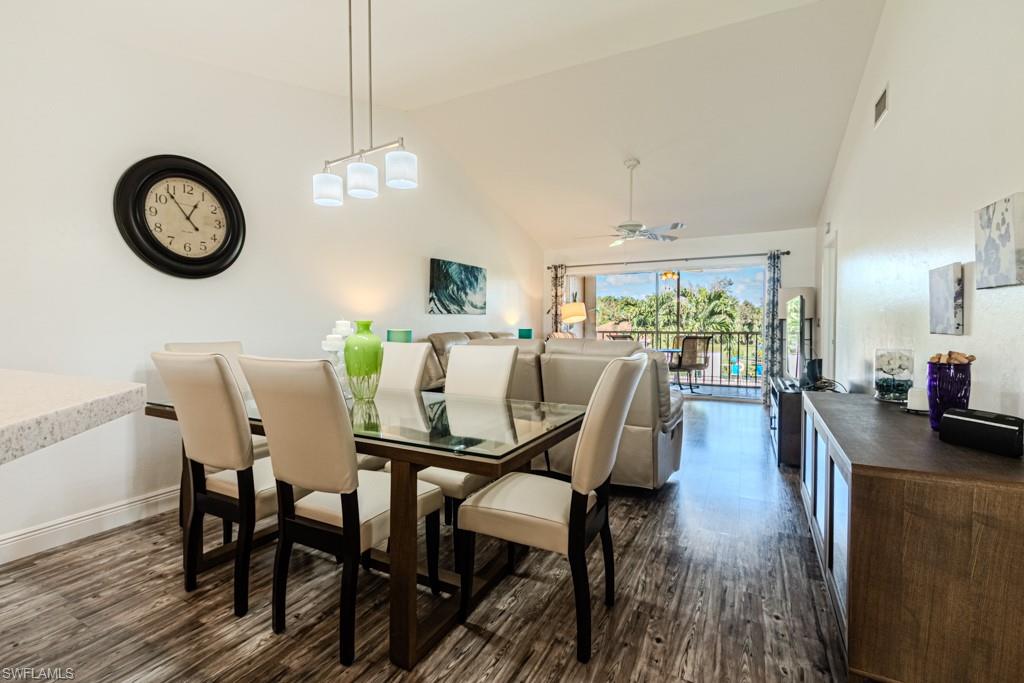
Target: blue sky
{"type": "Point", "coordinates": [748, 282]}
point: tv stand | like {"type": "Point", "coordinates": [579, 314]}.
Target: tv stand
{"type": "Point", "coordinates": [784, 420]}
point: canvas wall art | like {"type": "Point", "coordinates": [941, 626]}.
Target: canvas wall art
{"type": "Point", "coordinates": [999, 243]}
{"type": "Point", "coordinates": [946, 299]}
{"type": "Point", "coordinates": [456, 288]}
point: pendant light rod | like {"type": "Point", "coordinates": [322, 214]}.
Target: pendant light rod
{"type": "Point", "coordinates": [351, 92]}
{"type": "Point", "coordinates": [369, 59]}
{"type": "Point", "coordinates": [394, 144]}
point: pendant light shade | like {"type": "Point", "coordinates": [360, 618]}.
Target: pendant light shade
{"type": "Point", "coordinates": [327, 190]}
{"type": "Point", "coordinates": [363, 180]}
{"type": "Point", "coordinates": [400, 170]}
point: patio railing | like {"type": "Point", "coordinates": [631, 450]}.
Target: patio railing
{"type": "Point", "coordinates": [736, 359]}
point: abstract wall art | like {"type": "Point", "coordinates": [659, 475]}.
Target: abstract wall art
{"type": "Point", "coordinates": [456, 288]}
{"type": "Point", "coordinates": [999, 243]}
{"type": "Point", "coordinates": [946, 299]}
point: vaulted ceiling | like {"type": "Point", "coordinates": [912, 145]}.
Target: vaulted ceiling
{"type": "Point", "coordinates": [735, 109]}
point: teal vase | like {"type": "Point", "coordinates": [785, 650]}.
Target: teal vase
{"type": "Point", "coordinates": [363, 355]}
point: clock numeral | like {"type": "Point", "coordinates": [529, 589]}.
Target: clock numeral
{"type": "Point", "coordinates": [187, 247]}
{"type": "Point", "coordinates": [213, 208]}
{"type": "Point", "coordinates": [161, 198]}
{"type": "Point", "coordinates": [152, 210]}
{"type": "Point", "coordinates": [170, 239]}
{"type": "Point", "coordinates": [188, 189]}
{"type": "Point", "coordinates": [170, 190]}
{"type": "Point", "coordinates": [203, 247]}
{"type": "Point", "coordinates": [213, 238]}
{"type": "Point", "coordinates": [158, 227]}
{"type": "Point", "coordinates": [218, 224]}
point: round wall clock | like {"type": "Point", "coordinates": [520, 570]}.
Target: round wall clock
{"type": "Point", "coordinates": [179, 216]}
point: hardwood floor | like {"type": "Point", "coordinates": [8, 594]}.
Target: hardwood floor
{"type": "Point", "coordinates": [716, 581]}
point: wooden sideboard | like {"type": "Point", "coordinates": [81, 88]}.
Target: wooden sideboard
{"type": "Point", "coordinates": [921, 543]}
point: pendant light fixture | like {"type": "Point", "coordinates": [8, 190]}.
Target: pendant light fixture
{"type": "Point", "coordinates": [401, 169]}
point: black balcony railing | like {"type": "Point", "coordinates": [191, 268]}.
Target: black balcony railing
{"type": "Point", "coordinates": [735, 359]}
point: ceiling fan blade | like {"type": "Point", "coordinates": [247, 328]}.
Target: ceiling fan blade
{"type": "Point", "coordinates": [668, 228]}
{"type": "Point", "coordinates": [666, 238]}
{"type": "Point", "coordinates": [596, 237]}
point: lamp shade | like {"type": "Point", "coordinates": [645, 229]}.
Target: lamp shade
{"type": "Point", "coordinates": [401, 170]}
{"type": "Point", "coordinates": [327, 190]}
{"type": "Point", "coordinates": [574, 312]}
{"type": "Point", "coordinates": [363, 181]}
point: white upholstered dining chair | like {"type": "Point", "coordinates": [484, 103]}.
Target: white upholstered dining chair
{"type": "Point", "coordinates": [479, 371]}
{"type": "Point", "coordinates": [231, 350]}
{"type": "Point", "coordinates": [216, 435]}
{"type": "Point", "coordinates": [403, 366]}
{"type": "Point", "coordinates": [561, 517]}
{"type": "Point", "coordinates": [349, 511]}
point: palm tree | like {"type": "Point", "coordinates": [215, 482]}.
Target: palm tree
{"type": "Point", "coordinates": [708, 310]}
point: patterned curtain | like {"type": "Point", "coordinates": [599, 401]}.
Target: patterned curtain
{"type": "Point", "coordinates": [772, 342]}
{"type": "Point", "coordinates": [557, 296]}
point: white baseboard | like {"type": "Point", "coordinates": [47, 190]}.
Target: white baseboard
{"type": "Point", "coordinates": [36, 539]}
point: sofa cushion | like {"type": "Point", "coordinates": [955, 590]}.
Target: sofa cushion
{"type": "Point", "coordinates": [593, 347]}
{"type": "Point", "coordinates": [479, 335]}
{"type": "Point", "coordinates": [502, 335]}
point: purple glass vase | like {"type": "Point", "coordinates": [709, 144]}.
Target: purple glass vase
{"type": "Point", "coordinates": [949, 386]}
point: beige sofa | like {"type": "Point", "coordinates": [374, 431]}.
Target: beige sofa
{"type": "Point", "coordinates": [651, 444]}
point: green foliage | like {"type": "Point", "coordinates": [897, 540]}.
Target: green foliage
{"type": "Point", "coordinates": [700, 309]}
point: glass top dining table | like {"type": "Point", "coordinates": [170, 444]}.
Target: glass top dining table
{"type": "Point", "coordinates": [470, 425]}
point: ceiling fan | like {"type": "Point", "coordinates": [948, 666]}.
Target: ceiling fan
{"type": "Point", "coordinates": [635, 230]}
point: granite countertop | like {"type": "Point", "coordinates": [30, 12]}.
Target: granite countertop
{"type": "Point", "coordinates": [38, 409]}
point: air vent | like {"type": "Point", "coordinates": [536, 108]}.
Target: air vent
{"type": "Point", "coordinates": [882, 106]}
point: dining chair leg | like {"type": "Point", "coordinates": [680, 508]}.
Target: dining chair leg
{"type": "Point", "coordinates": [609, 564]}
{"type": "Point", "coordinates": [447, 511]}
{"type": "Point", "coordinates": [192, 546]}
{"type": "Point", "coordinates": [282, 558]}
{"type": "Point", "coordinates": [433, 524]}
{"type": "Point", "coordinates": [347, 621]}
{"type": "Point", "coordinates": [466, 542]}
{"type": "Point", "coordinates": [243, 549]}
{"type": "Point", "coordinates": [226, 533]}
{"type": "Point", "coordinates": [510, 556]}
{"type": "Point", "coordinates": [456, 538]}
{"type": "Point", "coordinates": [581, 591]}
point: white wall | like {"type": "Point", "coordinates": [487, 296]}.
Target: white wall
{"type": "Point", "coordinates": [76, 300]}
{"type": "Point", "coordinates": [902, 196]}
{"type": "Point", "coordinates": [798, 268]}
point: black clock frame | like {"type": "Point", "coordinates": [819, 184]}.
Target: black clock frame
{"type": "Point", "coordinates": [129, 213]}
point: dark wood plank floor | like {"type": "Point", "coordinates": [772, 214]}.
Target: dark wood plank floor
{"type": "Point", "coordinates": [716, 582]}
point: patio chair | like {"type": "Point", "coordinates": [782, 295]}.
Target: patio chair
{"type": "Point", "coordinates": [693, 356]}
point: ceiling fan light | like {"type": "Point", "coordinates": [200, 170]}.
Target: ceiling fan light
{"type": "Point", "coordinates": [363, 180]}
{"type": "Point", "coordinates": [617, 243]}
{"type": "Point", "coordinates": [327, 190]}
{"type": "Point", "coordinates": [401, 170]}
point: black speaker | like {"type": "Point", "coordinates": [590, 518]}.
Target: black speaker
{"type": "Point", "coordinates": [999, 434]}
{"type": "Point", "coordinates": [812, 374]}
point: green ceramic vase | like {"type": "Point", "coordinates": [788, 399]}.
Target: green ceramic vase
{"type": "Point", "coordinates": [363, 355]}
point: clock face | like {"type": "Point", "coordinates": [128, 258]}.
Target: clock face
{"type": "Point", "coordinates": [185, 217]}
